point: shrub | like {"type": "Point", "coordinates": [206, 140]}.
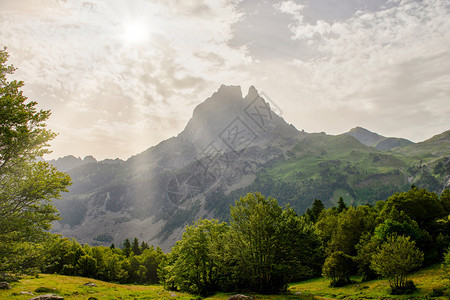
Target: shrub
{"type": "Point", "coordinates": [407, 289]}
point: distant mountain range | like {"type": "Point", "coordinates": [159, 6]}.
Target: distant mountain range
{"type": "Point", "coordinates": [233, 145]}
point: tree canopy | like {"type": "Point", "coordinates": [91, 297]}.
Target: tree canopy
{"type": "Point", "coordinates": [27, 186]}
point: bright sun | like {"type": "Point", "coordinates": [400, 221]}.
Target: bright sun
{"type": "Point", "coordinates": [135, 32]}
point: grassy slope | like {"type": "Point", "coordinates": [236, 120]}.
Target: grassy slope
{"type": "Point", "coordinates": [437, 146]}
{"type": "Point", "coordinates": [426, 280]}
{"type": "Point", "coordinates": [72, 288]}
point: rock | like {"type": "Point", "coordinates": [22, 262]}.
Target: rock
{"type": "Point", "coordinates": [89, 284]}
{"type": "Point", "coordinates": [239, 297]}
{"type": "Point", "coordinates": [27, 293]}
{"type": "Point", "coordinates": [48, 297]}
{"type": "Point", "coordinates": [4, 286]}
{"type": "Point", "coordinates": [173, 295]}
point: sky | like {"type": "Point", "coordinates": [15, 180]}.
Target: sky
{"type": "Point", "coordinates": [121, 76]}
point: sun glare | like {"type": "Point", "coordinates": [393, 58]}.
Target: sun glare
{"type": "Point", "coordinates": [135, 32]}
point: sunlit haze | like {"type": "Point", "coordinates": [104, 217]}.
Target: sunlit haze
{"type": "Point", "coordinates": [121, 76]}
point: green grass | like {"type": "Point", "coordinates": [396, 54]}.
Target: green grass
{"type": "Point", "coordinates": [426, 280]}
{"type": "Point", "coordinates": [72, 288]}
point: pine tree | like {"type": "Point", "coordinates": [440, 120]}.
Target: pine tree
{"type": "Point", "coordinates": [135, 247]}
{"type": "Point", "coordinates": [127, 248]}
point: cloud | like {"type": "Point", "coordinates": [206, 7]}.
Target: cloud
{"type": "Point", "coordinates": [74, 58]}
{"type": "Point", "coordinates": [330, 65]}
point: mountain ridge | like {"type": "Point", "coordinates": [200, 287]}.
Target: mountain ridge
{"type": "Point", "coordinates": [376, 140]}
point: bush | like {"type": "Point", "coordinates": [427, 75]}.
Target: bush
{"type": "Point", "coordinates": [43, 289]}
{"type": "Point", "coordinates": [437, 292]}
{"type": "Point", "coordinates": [409, 288]}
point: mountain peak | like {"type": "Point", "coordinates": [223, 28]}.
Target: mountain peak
{"type": "Point", "coordinates": [252, 93]}
{"type": "Point", "coordinates": [365, 136]}
{"type": "Point", "coordinates": [377, 141]}
{"type": "Point", "coordinates": [227, 109]}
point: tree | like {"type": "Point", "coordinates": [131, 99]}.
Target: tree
{"type": "Point", "coordinates": [341, 205]}
{"type": "Point", "coordinates": [144, 246]}
{"type": "Point", "coordinates": [445, 201]}
{"type": "Point", "coordinates": [127, 247]}
{"type": "Point", "coordinates": [197, 258]}
{"type": "Point", "coordinates": [27, 186]}
{"type": "Point", "coordinates": [446, 264]}
{"type": "Point", "coordinates": [267, 246]}
{"type": "Point", "coordinates": [315, 210]}
{"type": "Point", "coordinates": [254, 224]}
{"type": "Point", "coordinates": [396, 258]}
{"type": "Point", "coordinates": [336, 268]}
{"type": "Point", "coordinates": [135, 247]}
{"type": "Point", "coordinates": [420, 205]}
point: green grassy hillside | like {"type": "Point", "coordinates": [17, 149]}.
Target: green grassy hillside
{"type": "Point", "coordinates": [72, 288]}
{"type": "Point", "coordinates": [327, 167]}
{"type": "Point", "coordinates": [426, 281]}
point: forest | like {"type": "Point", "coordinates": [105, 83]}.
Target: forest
{"type": "Point", "coordinates": [264, 247]}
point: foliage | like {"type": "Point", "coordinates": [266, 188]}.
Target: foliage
{"type": "Point", "coordinates": [336, 267]}
{"type": "Point", "coordinates": [427, 279]}
{"type": "Point", "coordinates": [446, 264]}
{"type": "Point", "coordinates": [27, 186]}
{"type": "Point", "coordinates": [262, 249]}
{"type": "Point", "coordinates": [67, 257]}
{"type": "Point", "coordinates": [315, 211]}
{"type": "Point", "coordinates": [419, 205]}
{"type": "Point", "coordinates": [396, 258]}
{"type": "Point", "coordinates": [197, 260]}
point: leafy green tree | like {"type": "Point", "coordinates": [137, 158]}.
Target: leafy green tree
{"type": "Point", "coordinates": [300, 254]}
{"type": "Point", "coordinates": [351, 224]}
{"type": "Point", "coordinates": [390, 227]}
{"type": "Point", "coordinates": [444, 199]}
{"type": "Point", "coordinates": [267, 246]}
{"type": "Point", "coordinates": [420, 205]}
{"type": "Point", "coordinates": [197, 266]}
{"type": "Point", "coordinates": [87, 266]}
{"type": "Point", "coordinates": [367, 246]}
{"type": "Point", "coordinates": [396, 258]}
{"type": "Point", "coordinates": [27, 187]}
{"type": "Point", "coordinates": [336, 267]}
{"type": "Point", "coordinates": [446, 264]}
{"type": "Point", "coordinates": [255, 221]}
{"type": "Point", "coordinates": [151, 259]}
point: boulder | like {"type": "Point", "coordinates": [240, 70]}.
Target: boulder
{"type": "Point", "coordinates": [48, 297]}
{"type": "Point", "coordinates": [239, 297]}
{"type": "Point", "coordinates": [89, 284]}
{"type": "Point", "coordinates": [4, 286]}
{"type": "Point", "coordinates": [26, 293]}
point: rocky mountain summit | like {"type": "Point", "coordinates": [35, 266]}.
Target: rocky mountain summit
{"type": "Point", "coordinates": [232, 145]}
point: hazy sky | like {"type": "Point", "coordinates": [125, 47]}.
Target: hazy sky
{"type": "Point", "coordinates": [120, 76]}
